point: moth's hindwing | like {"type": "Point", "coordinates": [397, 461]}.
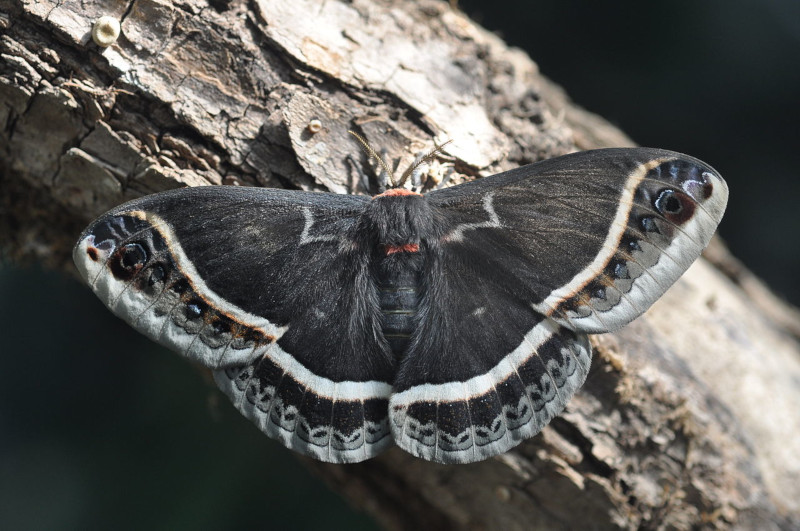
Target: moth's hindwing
{"type": "Point", "coordinates": [497, 408]}
{"type": "Point", "coordinates": [260, 285]}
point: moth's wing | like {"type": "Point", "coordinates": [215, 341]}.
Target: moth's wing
{"type": "Point", "coordinates": [527, 263]}
{"type": "Point", "coordinates": [590, 239]}
{"type": "Point", "coordinates": [267, 288]}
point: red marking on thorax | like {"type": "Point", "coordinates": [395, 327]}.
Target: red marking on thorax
{"type": "Point", "coordinates": [396, 191]}
{"type": "Point", "coordinates": [405, 248]}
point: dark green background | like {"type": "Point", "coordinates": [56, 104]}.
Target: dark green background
{"type": "Point", "coordinates": [99, 427]}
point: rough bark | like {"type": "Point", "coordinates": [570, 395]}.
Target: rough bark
{"type": "Point", "coordinates": [689, 417]}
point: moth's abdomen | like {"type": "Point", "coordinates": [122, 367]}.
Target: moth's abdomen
{"type": "Point", "coordinates": [398, 279]}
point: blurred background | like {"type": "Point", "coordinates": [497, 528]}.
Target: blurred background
{"type": "Point", "coordinates": [99, 427]}
{"type": "Point", "coordinates": [718, 79]}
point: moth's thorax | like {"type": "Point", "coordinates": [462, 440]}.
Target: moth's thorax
{"type": "Point", "coordinates": [397, 220]}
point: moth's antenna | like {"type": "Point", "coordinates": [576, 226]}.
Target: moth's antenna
{"type": "Point", "coordinates": [372, 153]}
{"type": "Point", "coordinates": [422, 160]}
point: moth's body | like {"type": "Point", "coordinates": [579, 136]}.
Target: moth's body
{"type": "Point", "coordinates": [452, 323]}
{"type": "Point", "coordinates": [398, 225]}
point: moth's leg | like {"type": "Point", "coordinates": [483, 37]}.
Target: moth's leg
{"type": "Point", "coordinates": [381, 178]}
{"type": "Point", "coordinates": [384, 179]}
{"type": "Point", "coordinates": [446, 178]}
{"type": "Point", "coordinates": [363, 178]}
{"type": "Point", "coordinates": [416, 175]}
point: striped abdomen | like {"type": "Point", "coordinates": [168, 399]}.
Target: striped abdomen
{"type": "Point", "coordinates": [398, 292]}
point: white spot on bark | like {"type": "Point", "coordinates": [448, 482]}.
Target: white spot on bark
{"type": "Point", "coordinates": [314, 126]}
{"type": "Point", "coordinates": [105, 31]}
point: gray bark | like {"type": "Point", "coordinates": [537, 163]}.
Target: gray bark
{"type": "Point", "coordinates": [689, 417]}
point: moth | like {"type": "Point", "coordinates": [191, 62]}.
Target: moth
{"type": "Point", "coordinates": [453, 324]}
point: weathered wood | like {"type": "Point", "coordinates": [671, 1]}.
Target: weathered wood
{"type": "Point", "coordinates": [689, 417]}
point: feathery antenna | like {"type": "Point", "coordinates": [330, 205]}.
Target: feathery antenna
{"type": "Point", "coordinates": [422, 160]}
{"type": "Point", "coordinates": [372, 153]}
{"type": "Point", "coordinates": [419, 162]}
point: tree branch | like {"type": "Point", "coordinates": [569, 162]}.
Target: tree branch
{"type": "Point", "coordinates": [689, 415]}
